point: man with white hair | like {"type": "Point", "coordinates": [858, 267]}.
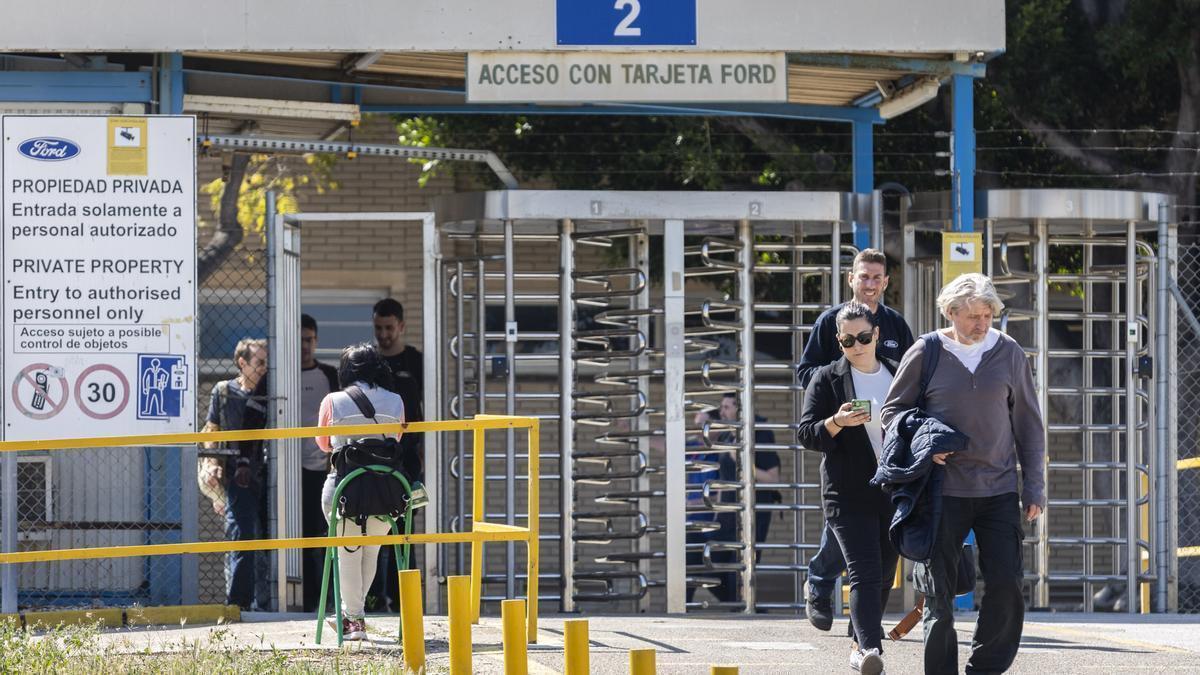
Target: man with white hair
{"type": "Point", "coordinates": [983, 387]}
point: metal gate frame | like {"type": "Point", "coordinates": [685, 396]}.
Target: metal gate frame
{"type": "Point", "coordinates": [285, 326]}
{"type": "Point", "coordinates": [1039, 219]}
{"type": "Point", "coordinates": [559, 214]}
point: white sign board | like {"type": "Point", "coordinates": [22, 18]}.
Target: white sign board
{"type": "Point", "coordinates": [566, 77]}
{"type": "Point", "coordinates": [99, 249]}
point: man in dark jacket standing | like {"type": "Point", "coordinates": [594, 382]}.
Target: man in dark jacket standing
{"type": "Point", "coordinates": [983, 387]}
{"type": "Point", "coordinates": [868, 280]}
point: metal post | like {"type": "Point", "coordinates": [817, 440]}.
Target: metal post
{"type": "Point", "coordinates": [510, 408]}
{"type": "Point", "coordinates": [640, 252]}
{"type": "Point", "coordinates": [8, 601]}
{"type": "Point", "coordinates": [1132, 552]}
{"type": "Point", "coordinates": [876, 221]}
{"type": "Point", "coordinates": [1162, 414]}
{"type": "Point", "coordinates": [1042, 331]}
{"type": "Point", "coordinates": [674, 371]}
{"type": "Point", "coordinates": [864, 177]}
{"type": "Point", "coordinates": [432, 394]}
{"type": "Point", "coordinates": [962, 152]}
{"type": "Point", "coordinates": [745, 285]}
{"type": "Point", "coordinates": [566, 428]}
{"type": "Point", "coordinates": [835, 263]}
{"type": "Point", "coordinates": [276, 500]}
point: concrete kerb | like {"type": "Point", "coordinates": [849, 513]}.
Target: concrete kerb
{"type": "Point", "coordinates": [117, 617]}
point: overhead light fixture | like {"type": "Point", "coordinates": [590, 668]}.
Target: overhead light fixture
{"type": "Point", "coordinates": [916, 95]}
{"type": "Point", "coordinates": [265, 107]}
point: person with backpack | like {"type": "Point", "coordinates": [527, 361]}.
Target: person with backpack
{"type": "Point", "coordinates": [365, 399]}
{"type": "Point", "coordinates": [982, 386]}
{"type": "Point", "coordinates": [840, 419]}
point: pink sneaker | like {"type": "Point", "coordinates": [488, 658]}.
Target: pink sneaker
{"type": "Point", "coordinates": [354, 630]}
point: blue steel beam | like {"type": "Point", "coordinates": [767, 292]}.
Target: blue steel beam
{"type": "Point", "coordinates": [962, 155]}
{"type": "Point", "coordinates": [937, 67]}
{"type": "Point", "coordinates": [864, 176]}
{"type": "Point", "coordinates": [780, 110]}
{"type": "Point", "coordinates": [170, 84]}
{"type": "Point", "coordinates": [75, 87]}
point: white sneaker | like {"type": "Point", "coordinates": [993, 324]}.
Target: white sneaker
{"type": "Point", "coordinates": [867, 661]}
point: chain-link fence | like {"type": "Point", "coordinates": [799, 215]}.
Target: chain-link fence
{"type": "Point", "coordinates": [132, 496]}
{"type": "Point", "coordinates": [1188, 431]}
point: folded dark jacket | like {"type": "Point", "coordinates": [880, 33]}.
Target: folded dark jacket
{"type": "Point", "coordinates": [907, 472]}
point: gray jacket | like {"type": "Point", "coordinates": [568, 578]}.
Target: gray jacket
{"type": "Point", "coordinates": [996, 407]}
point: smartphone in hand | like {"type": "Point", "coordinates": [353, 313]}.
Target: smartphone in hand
{"type": "Point", "coordinates": [862, 405]}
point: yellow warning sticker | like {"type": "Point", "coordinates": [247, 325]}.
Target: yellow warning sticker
{"type": "Point", "coordinates": [128, 153]}
{"type": "Point", "coordinates": [962, 253]}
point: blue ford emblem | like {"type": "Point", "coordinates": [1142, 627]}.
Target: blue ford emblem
{"type": "Point", "coordinates": [48, 149]}
{"type": "Point", "coordinates": [891, 344]}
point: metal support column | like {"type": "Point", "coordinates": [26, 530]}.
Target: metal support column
{"type": "Point", "coordinates": [566, 383]}
{"type": "Point", "coordinates": [1041, 294]}
{"type": "Point", "coordinates": [8, 463]}
{"type": "Point", "coordinates": [674, 371]}
{"type": "Point", "coordinates": [1162, 414]}
{"type": "Point", "coordinates": [864, 178]}
{"type": "Point", "coordinates": [170, 84]}
{"type": "Point", "coordinates": [510, 407]}
{"type": "Point", "coordinates": [962, 152]}
{"type": "Point", "coordinates": [431, 289]}
{"type": "Point", "coordinates": [745, 285]}
{"type": "Point", "coordinates": [1131, 441]}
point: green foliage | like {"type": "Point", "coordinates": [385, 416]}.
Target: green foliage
{"type": "Point", "coordinates": [284, 175]}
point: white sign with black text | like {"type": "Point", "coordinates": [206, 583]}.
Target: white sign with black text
{"type": "Point", "coordinates": [98, 312]}
{"type": "Point", "coordinates": [580, 77]}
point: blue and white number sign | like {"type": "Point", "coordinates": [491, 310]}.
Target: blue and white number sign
{"type": "Point", "coordinates": [626, 22]}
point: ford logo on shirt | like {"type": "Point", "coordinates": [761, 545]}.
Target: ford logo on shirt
{"type": "Point", "coordinates": [48, 149]}
{"type": "Point", "coordinates": [891, 344]}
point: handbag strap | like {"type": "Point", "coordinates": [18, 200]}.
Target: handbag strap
{"type": "Point", "coordinates": [364, 404]}
{"type": "Point", "coordinates": [929, 362]}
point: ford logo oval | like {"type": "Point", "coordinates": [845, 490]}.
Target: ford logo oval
{"type": "Point", "coordinates": [48, 149]}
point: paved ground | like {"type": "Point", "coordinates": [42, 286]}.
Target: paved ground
{"type": "Point", "coordinates": [1053, 643]}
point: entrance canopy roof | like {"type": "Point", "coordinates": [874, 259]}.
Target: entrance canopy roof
{"type": "Point", "coordinates": [847, 56]}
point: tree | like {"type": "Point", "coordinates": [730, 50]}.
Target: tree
{"type": "Point", "coordinates": [245, 209]}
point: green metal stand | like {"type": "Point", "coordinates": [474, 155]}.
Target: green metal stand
{"type": "Point", "coordinates": [331, 553]}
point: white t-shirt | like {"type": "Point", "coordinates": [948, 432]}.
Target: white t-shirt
{"type": "Point", "coordinates": [873, 387]}
{"type": "Point", "coordinates": [314, 386]}
{"type": "Point", "coordinates": [970, 355]}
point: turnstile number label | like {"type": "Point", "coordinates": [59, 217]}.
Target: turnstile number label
{"type": "Point", "coordinates": [626, 22]}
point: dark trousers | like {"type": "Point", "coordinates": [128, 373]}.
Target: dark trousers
{"type": "Point", "coordinates": [314, 525]}
{"type": "Point", "coordinates": [871, 561]}
{"type": "Point", "coordinates": [245, 571]}
{"type": "Point", "coordinates": [728, 590]}
{"type": "Point", "coordinates": [998, 533]}
{"type": "Point", "coordinates": [827, 564]}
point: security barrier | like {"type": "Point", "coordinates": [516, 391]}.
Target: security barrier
{"type": "Point", "coordinates": [480, 533]}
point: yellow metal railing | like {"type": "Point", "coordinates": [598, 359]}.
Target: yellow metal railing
{"type": "Point", "coordinates": [1188, 551]}
{"type": "Point", "coordinates": [481, 532]}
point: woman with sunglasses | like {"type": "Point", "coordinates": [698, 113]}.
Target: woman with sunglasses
{"type": "Point", "coordinates": [837, 423]}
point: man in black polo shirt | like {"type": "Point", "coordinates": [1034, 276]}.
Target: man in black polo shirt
{"type": "Point", "coordinates": [868, 280]}
{"type": "Point", "coordinates": [408, 368]}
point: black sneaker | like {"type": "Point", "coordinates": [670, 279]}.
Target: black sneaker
{"type": "Point", "coordinates": [818, 609]}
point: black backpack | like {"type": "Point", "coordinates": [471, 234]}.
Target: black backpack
{"type": "Point", "coordinates": [371, 493]}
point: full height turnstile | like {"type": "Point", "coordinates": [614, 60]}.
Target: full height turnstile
{"type": "Point", "coordinates": [616, 317]}
{"type": "Point", "coordinates": [1076, 271]}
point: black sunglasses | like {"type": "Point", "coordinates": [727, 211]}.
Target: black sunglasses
{"type": "Point", "coordinates": [864, 338]}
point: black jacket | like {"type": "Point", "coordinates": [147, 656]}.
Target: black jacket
{"type": "Point", "coordinates": [895, 338]}
{"type": "Point", "coordinates": [907, 471]}
{"type": "Point", "coordinates": [849, 462]}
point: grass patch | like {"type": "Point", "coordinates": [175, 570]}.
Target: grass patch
{"type": "Point", "coordinates": [80, 649]}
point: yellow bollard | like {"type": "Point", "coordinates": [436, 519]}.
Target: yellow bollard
{"type": "Point", "coordinates": [578, 659]}
{"type": "Point", "coordinates": [641, 662]}
{"type": "Point", "coordinates": [460, 625]}
{"type": "Point", "coordinates": [412, 621]}
{"type": "Point", "coordinates": [516, 657]}
{"type": "Point", "coordinates": [723, 670]}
